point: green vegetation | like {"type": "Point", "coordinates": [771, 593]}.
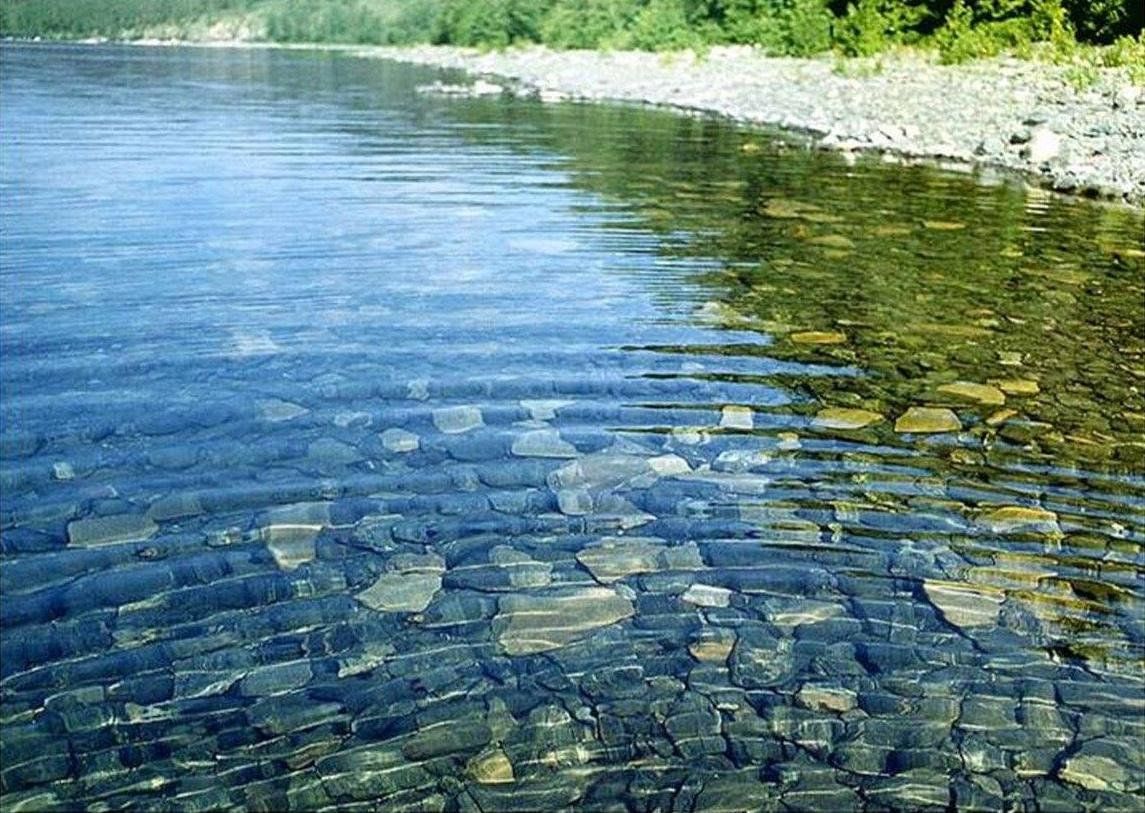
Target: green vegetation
{"type": "Point", "coordinates": [958, 29]}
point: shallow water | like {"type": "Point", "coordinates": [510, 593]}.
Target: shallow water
{"type": "Point", "coordinates": [366, 447]}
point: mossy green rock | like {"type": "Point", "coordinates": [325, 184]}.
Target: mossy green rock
{"type": "Point", "coordinates": [928, 421]}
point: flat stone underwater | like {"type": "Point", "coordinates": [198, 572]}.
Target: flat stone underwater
{"type": "Point", "coordinates": [363, 447]}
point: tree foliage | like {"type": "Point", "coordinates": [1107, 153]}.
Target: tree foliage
{"type": "Point", "coordinates": [960, 29]}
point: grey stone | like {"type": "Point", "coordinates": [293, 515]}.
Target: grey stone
{"type": "Point", "coordinates": [458, 419]}
{"type": "Point", "coordinates": [110, 530]}
{"type": "Point", "coordinates": [400, 441]}
{"type": "Point", "coordinates": [528, 624]}
{"type": "Point", "coordinates": [403, 592]}
{"type": "Point", "coordinates": [543, 443]}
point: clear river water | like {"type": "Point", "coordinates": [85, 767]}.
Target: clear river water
{"type": "Point", "coordinates": [369, 449]}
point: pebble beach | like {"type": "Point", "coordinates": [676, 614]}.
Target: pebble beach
{"type": "Point", "coordinates": [1022, 117]}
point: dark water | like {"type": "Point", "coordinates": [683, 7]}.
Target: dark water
{"type": "Point", "coordinates": [368, 450]}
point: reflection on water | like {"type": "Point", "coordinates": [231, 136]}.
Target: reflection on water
{"type": "Point", "coordinates": [361, 447]}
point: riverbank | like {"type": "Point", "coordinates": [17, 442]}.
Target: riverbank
{"type": "Point", "coordinates": [1030, 119]}
{"type": "Point", "coordinates": [1020, 116]}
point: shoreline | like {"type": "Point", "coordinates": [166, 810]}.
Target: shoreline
{"type": "Point", "coordinates": [1023, 118]}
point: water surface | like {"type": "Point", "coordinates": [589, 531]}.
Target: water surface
{"type": "Point", "coordinates": [363, 447]}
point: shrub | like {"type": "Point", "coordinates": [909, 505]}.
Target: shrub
{"type": "Point", "coordinates": [588, 23]}
{"type": "Point", "coordinates": [661, 25]}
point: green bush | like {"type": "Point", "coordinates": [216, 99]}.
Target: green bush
{"type": "Point", "coordinates": [661, 25]}
{"type": "Point", "coordinates": [864, 30]}
{"type": "Point", "coordinates": [791, 27]}
{"type": "Point", "coordinates": [959, 29]}
{"type": "Point", "coordinates": [490, 23]}
{"type": "Point", "coordinates": [588, 23]}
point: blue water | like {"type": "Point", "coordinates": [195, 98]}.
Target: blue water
{"type": "Point", "coordinates": [364, 447]}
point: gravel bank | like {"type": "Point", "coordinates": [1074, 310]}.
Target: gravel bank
{"type": "Point", "coordinates": [1020, 116]}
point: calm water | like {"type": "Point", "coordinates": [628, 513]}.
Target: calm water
{"type": "Point", "coordinates": [363, 448]}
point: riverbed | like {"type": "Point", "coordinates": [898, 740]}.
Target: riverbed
{"type": "Point", "coordinates": [362, 445]}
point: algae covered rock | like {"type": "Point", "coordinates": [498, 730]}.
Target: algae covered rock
{"type": "Point", "coordinates": [927, 421]}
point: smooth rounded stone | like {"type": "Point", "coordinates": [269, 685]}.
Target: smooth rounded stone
{"type": "Point", "coordinates": [559, 791]}
{"type": "Point", "coordinates": [406, 592]}
{"type": "Point", "coordinates": [1030, 761]}
{"type": "Point", "coordinates": [705, 595]}
{"type": "Point", "coordinates": [1000, 417]}
{"type": "Point", "coordinates": [826, 698]}
{"type": "Point", "coordinates": [574, 502]}
{"type": "Point", "coordinates": [615, 557]}
{"type": "Point", "coordinates": [914, 791]}
{"type": "Point", "coordinates": [400, 441]}
{"type": "Point", "coordinates": [175, 506]}
{"type": "Point", "coordinates": [110, 530]}
{"type": "Point", "coordinates": [357, 419]}
{"type": "Point", "coordinates": [600, 470]}
{"type": "Point", "coordinates": [448, 737]}
{"type": "Point", "coordinates": [964, 606]}
{"type": "Point", "coordinates": [694, 728]}
{"type": "Point", "coordinates": [1043, 145]}
{"type": "Point", "coordinates": [740, 460]}
{"type": "Point", "coordinates": [418, 389]}
{"type": "Point", "coordinates": [544, 409]}
{"type": "Point", "coordinates": [987, 713]}
{"type": "Point", "coordinates": [276, 410]}
{"type": "Point", "coordinates": [811, 787]}
{"type": "Point", "coordinates": [979, 393]}
{"type": "Point", "coordinates": [524, 571]}
{"type": "Point", "coordinates": [759, 661]}
{"type": "Point", "coordinates": [819, 337]}
{"type": "Point", "coordinates": [845, 418]}
{"type": "Point", "coordinates": [803, 613]}
{"type": "Point", "coordinates": [837, 241]}
{"type": "Point", "coordinates": [1017, 386]}
{"type": "Point", "coordinates": [736, 791]}
{"type": "Point", "coordinates": [543, 443]}
{"type": "Point", "coordinates": [368, 778]}
{"type": "Point", "coordinates": [527, 624]}
{"type": "Point", "coordinates": [1019, 518]}
{"type": "Point", "coordinates": [1100, 765]}
{"type": "Point", "coordinates": [712, 645]}
{"type": "Point", "coordinates": [276, 679]}
{"type": "Point", "coordinates": [331, 452]}
{"type": "Point", "coordinates": [861, 757]}
{"type": "Point", "coordinates": [928, 421]}
{"type": "Point", "coordinates": [667, 465]}
{"type": "Point", "coordinates": [734, 416]}
{"type": "Point", "coordinates": [458, 419]}
{"type": "Point", "coordinates": [943, 225]}
{"type": "Point", "coordinates": [490, 767]}
{"type": "Point", "coordinates": [815, 732]}
{"type": "Point", "coordinates": [688, 436]}
{"type": "Point", "coordinates": [979, 792]}
{"type": "Point", "coordinates": [291, 545]}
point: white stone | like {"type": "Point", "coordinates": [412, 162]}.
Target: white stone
{"type": "Point", "coordinates": [400, 441]}
{"type": "Point", "coordinates": [705, 595]}
{"type": "Point", "coordinates": [668, 464]}
{"type": "Point", "coordinates": [737, 417]}
{"type": "Point", "coordinates": [543, 443]}
{"type": "Point", "coordinates": [544, 410]}
{"type": "Point", "coordinates": [277, 411]}
{"type": "Point", "coordinates": [458, 419]}
{"type": "Point", "coordinates": [1044, 145]}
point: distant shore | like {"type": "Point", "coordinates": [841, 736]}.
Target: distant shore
{"type": "Point", "coordinates": [1023, 117]}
